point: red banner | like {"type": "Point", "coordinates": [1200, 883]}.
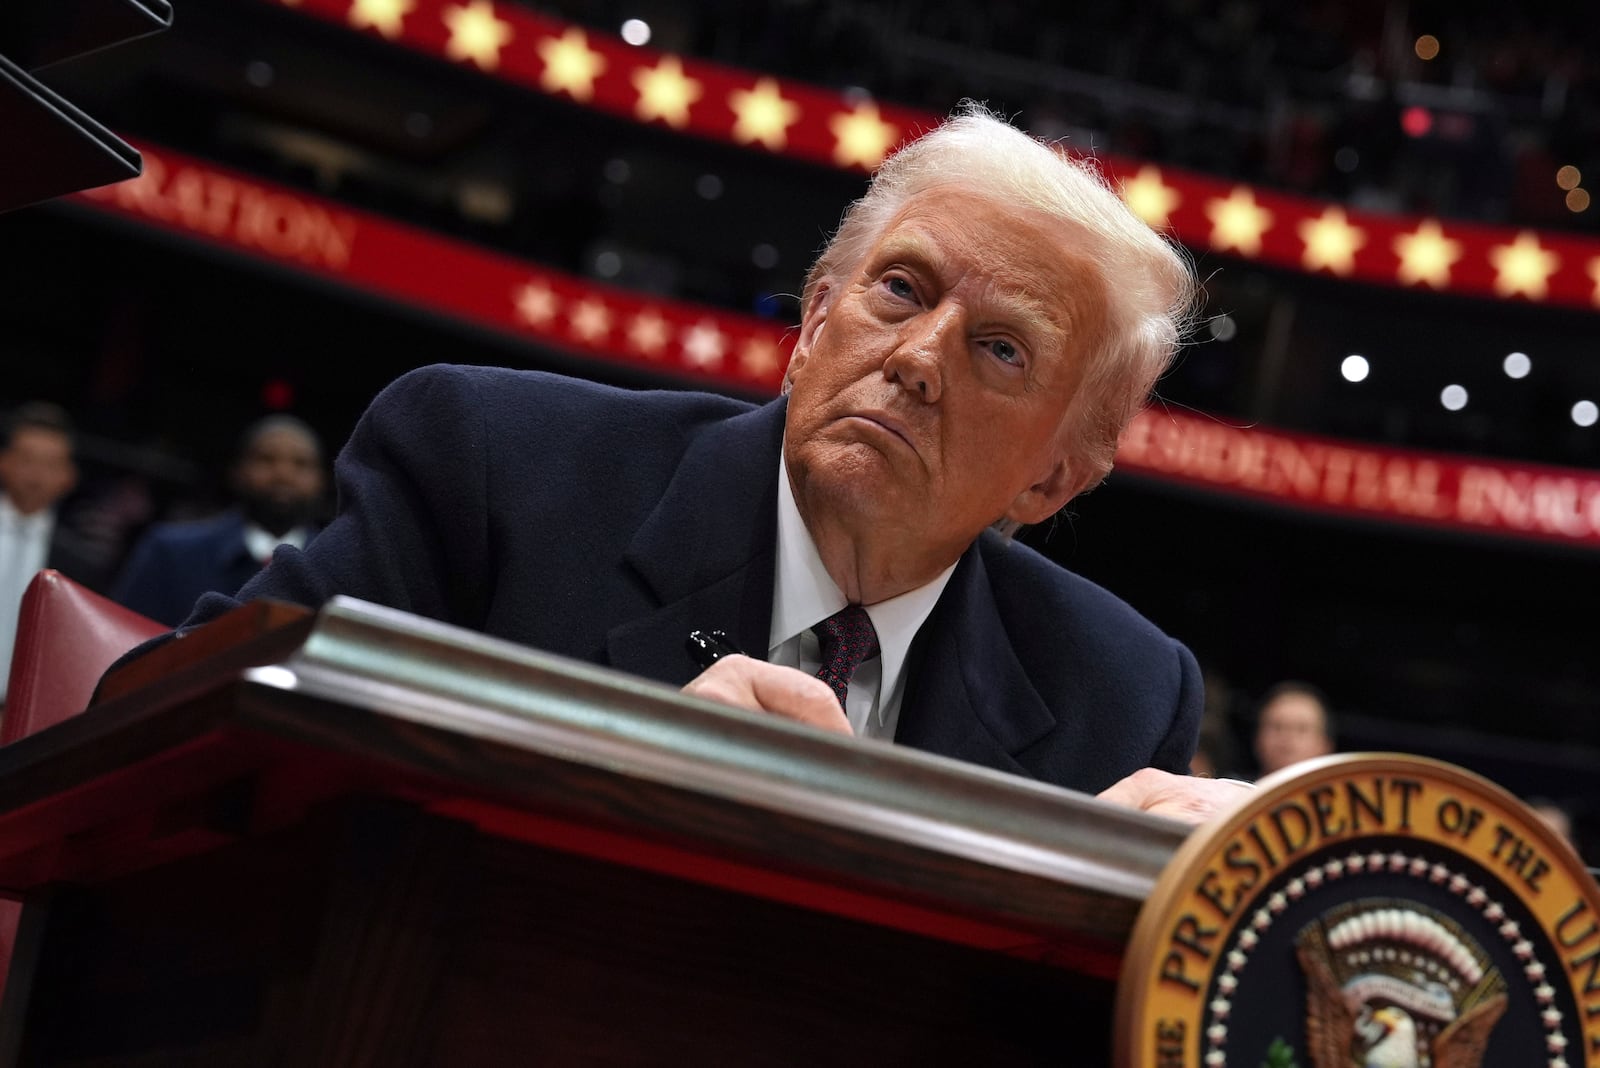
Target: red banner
{"type": "Point", "coordinates": [323, 239]}
{"type": "Point", "coordinates": [764, 113]}
{"type": "Point", "coordinates": [1464, 493]}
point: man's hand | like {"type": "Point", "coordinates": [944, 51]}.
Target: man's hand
{"type": "Point", "coordinates": [1180, 797]}
{"type": "Point", "coordinates": [784, 691]}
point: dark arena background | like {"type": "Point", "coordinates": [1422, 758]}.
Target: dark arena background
{"type": "Point", "coordinates": [1373, 467]}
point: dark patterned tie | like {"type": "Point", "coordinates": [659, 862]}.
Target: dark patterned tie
{"type": "Point", "coordinates": [847, 639]}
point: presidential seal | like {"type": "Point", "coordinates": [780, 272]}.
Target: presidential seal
{"type": "Point", "coordinates": [1369, 911]}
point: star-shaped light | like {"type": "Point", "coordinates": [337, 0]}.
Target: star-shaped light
{"type": "Point", "coordinates": [1426, 256]}
{"type": "Point", "coordinates": [762, 114]}
{"type": "Point", "coordinates": [1594, 272]}
{"type": "Point", "coordinates": [665, 92]}
{"type": "Point", "coordinates": [703, 344]}
{"type": "Point", "coordinates": [536, 304]}
{"type": "Point", "coordinates": [861, 137]}
{"type": "Point", "coordinates": [759, 358]}
{"type": "Point", "coordinates": [1238, 222]}
{"type": "Point", "coordinates": [385, 16]}
{"type": "Point", "coordinates": [1523, 267]}
{"type": "Point", "coordinates": [476, 33]}
{"type": "Point", "coordinates": [648, 332]}
{"type": "Point", "coordinates": [591, 322]}
{"type": "Point", "coordinates": [1151, 199]}
{"type": "Point", "coordinates": [1331, 242]}
{"type": "Point", "coordinates": [570, 65]}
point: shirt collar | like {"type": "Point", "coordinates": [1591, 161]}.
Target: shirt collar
{"type": "Point", "coordinates": [259, 543]}
{"type": "Point", "coordinates": [804, 594]}
{"type": "Point", "coordinates": [42, 520]}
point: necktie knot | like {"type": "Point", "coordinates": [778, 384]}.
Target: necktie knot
{"type": "Point", "coordinates": [847, 640]}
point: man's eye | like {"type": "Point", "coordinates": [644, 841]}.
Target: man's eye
{"type": "Point", "coordinates": [901, 288]}
{"type": "Point", "coordinates": [1005, 351]}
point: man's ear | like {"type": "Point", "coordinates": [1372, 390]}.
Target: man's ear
{"type": "Point", "coordinates": [812, 318]}
{"type": "Point", "coordinates": [1048, 495]}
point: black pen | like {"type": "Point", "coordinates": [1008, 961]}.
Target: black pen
{"type": "Point", "coordinates": [706, 647]}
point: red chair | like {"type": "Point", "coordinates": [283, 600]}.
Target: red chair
{"type": "Point", "coordinates": [66, 638]}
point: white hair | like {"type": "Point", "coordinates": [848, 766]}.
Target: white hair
{"type": "Point", "coordinates": [1147, 285]}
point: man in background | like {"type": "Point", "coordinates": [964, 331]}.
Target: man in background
{"type": "Point", "coordinates": [1294, 725]}
{"type": "Point", "coordinates": [36, 472]}
{"type": "Point", "coordinates": [277, 482]}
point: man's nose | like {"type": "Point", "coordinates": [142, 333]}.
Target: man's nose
{"type": "Point", "coordinates": [918, 363]}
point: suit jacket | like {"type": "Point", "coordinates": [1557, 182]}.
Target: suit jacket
{"type": "Point", "coordinates": [606, 524]}
{"type": "Point", "coordinates": [173, 564]}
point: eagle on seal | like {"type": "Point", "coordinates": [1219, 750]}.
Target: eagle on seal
{"type": "Point", "coordinates": [1342, 1035]}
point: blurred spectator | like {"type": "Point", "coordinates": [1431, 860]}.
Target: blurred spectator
{"type": "Point", "coordinates": [36, 472]}
{"type": "Point", "coordinates": [278, 484]}
{"type": "Point", "coordinates": [1556, 816]}
{"type": "Point", "coordinates": [1216, 752]}
{"type": "Point", "coordinates": [1294, 724]}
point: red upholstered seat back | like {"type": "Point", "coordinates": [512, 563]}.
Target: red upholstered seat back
{"type": "Point", "coordinates": [66, 637]}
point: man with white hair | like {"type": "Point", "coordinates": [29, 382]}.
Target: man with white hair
{"type": "Point", "coordinates": [973, 341]}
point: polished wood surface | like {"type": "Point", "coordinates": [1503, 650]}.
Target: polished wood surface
{"type": "Point", "coordinates": [402, 842]}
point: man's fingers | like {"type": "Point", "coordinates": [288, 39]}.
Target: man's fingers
{"type": "Point", "coordinates": [798, 696]}
{"type": "Point", "coordinates": [762, 687]}
{"type": "Point", "coordinates": [1182, 797]}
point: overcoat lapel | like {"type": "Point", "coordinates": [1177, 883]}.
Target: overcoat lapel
{"type": "Point", "coordinates": [707, 551]}
{"type": "Point", "coordinates": [967, 695]}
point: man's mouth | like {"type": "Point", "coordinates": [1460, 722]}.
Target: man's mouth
{"type": "Point", "coordinates": [887, 422]}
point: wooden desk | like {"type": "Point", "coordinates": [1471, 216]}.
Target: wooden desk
{"type": "Point", "coordinates": [407, 844]}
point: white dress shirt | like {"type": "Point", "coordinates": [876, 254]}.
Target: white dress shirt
{"type": "Point", "coordinates": [259, 542]}
{"type": "Point", "coordinates": [803, 595]}
{"type": "Point", "coordinates": [24, 548]}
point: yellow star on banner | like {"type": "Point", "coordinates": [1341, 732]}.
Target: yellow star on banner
{"type": "Point", "coordinates": [1594, 272]}
{"type": "Point", "coordinates": [762, 114]}
{"type": "Point", "coordinates": [570, 65]}
{"type": "Point", "coordinates": [1150, 198]}
{"type": "Point", "coordinates": [758, 358]}
{"type": "Point", "coordinates": [1523, 267]}
{"type": "Point", "coordinates": [861, 137]}
{"type": "Point", "coordinates": [703, 344]}
{"type": "Point", "coordinates": [1426, 256]}
{"type": "Point", "coordinates": [385, 16]}
{"type": "Point", "coordinates": [536, 304]}
{"type": "Point", "coordinates": [648, 333]}
{"type": "Point", "coordinates": [1238, 222]}
{"type": "Point", "coordinates": [665, 92]}
{"type": "Point", "coordinates": [1331, 242]}
{"type": "Point", "coordinates": [591, 322]}
{"type": "Point", "coordinates": [476, 34]}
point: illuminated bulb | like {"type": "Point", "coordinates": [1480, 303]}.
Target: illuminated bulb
{"type": "Point", "coordinates": [1355, 368]}
{"type": "Point", "coordinates": [709, 186]}
{"type": "Point", "coordinates": [636, 32]}
{"type": "Point", "coordinates": [1427, 46]}
{"type": "Point", "coordinates": [1578, 201]}
{"type": "Point", "coordinates": [1584, 413]}
{"type": "Point", "coordinates": [1453, 397]}
{"type": "Point", "coordinates": [1517, 365]}
{"type": "Point", "coordinates": [1568, 177]}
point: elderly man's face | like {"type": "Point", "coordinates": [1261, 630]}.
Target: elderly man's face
{"type": "Point", "coordinates": [928, 387]}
